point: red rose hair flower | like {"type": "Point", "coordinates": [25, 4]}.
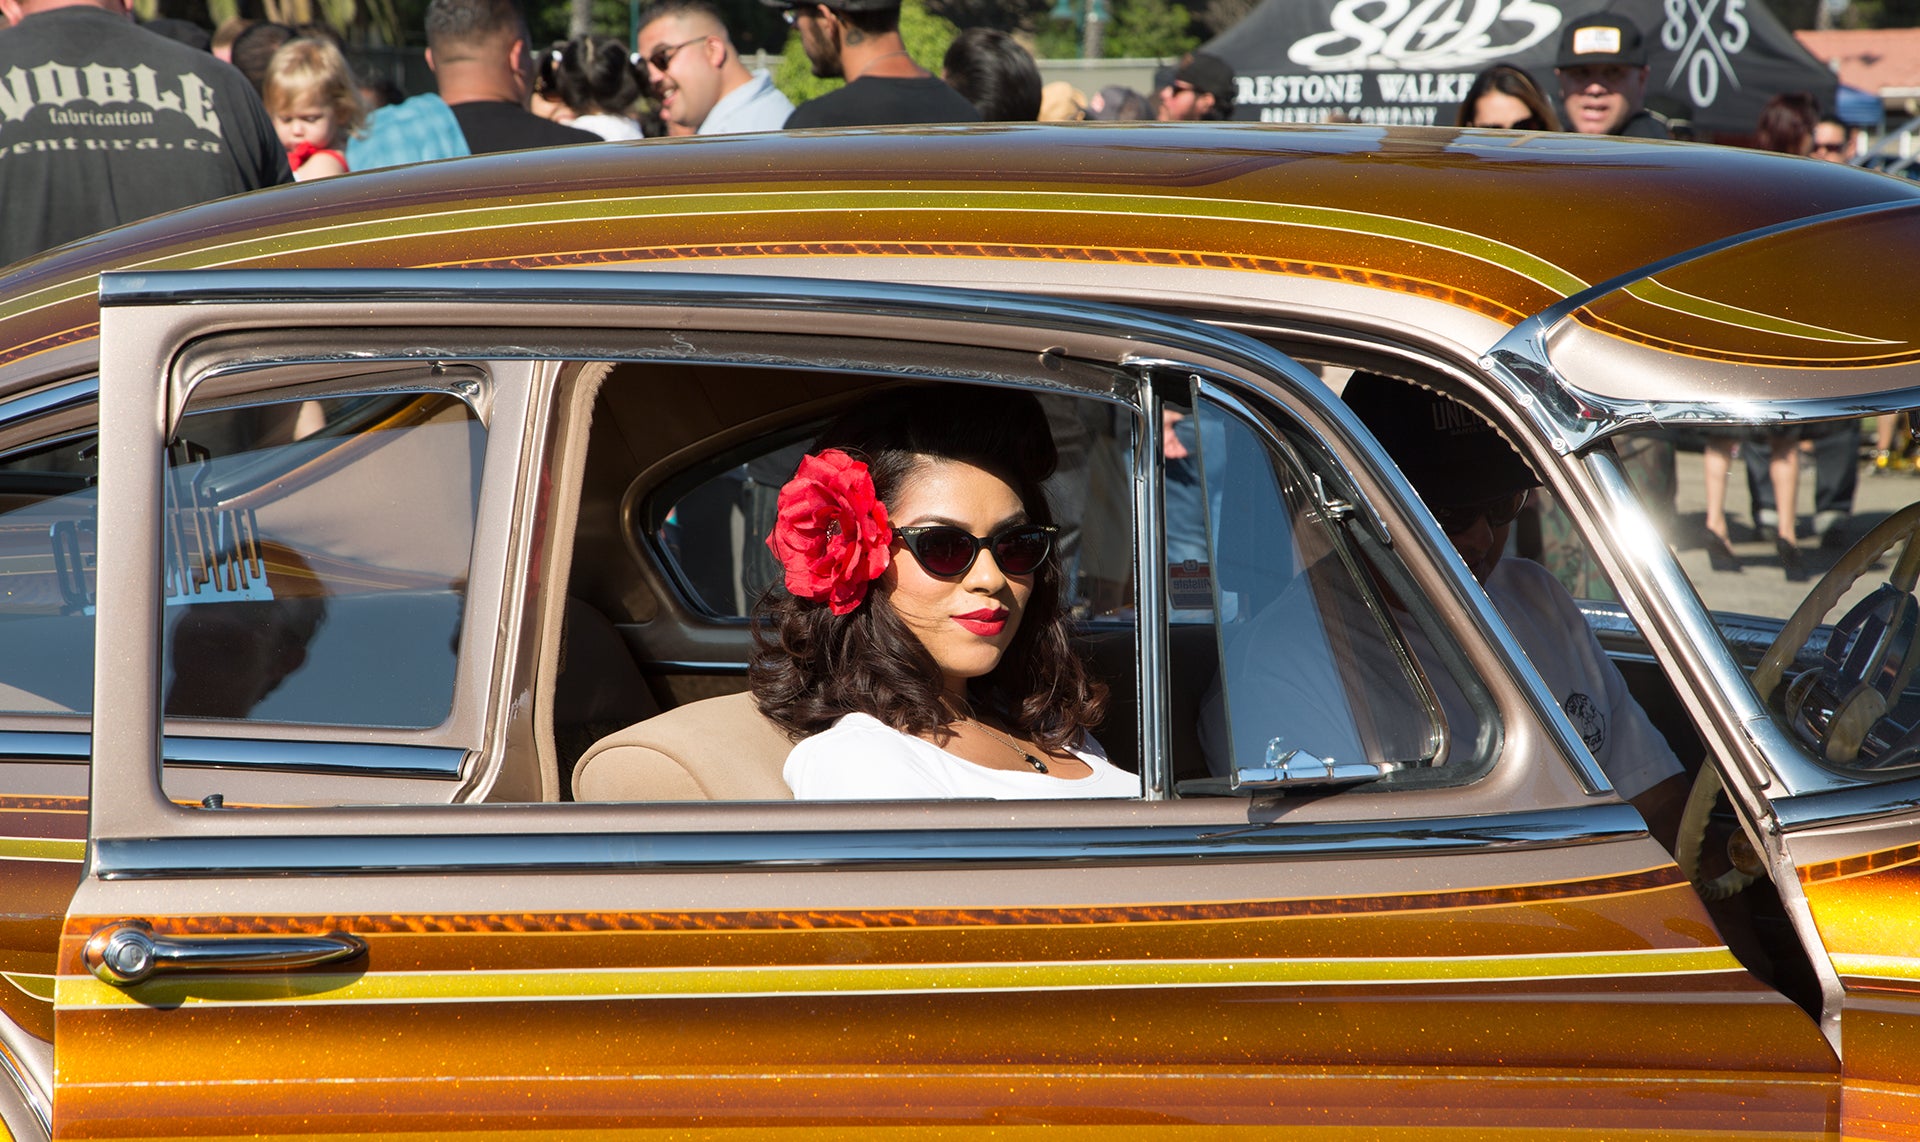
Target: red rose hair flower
{"type": "Point", "coordinates": [832, 536]}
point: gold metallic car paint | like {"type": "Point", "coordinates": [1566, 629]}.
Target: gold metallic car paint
{"type": "Point", "coordinates": [1323, 1014]}
{"type": "Point", "coordinates": [42, 843]}
{"type": "Point", "coordinates": [1868, 910]}
{"type": "Point", "coordinates": [1489, 225]}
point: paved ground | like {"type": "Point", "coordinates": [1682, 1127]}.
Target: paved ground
{"type": "Point", "coordinates": [1759, 587]}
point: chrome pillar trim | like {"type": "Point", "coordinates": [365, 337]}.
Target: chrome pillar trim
{"type": "Point", "coordinates": [369, 759]}
{"type": "Point", "coordinates": [1154, 676]}
{"type": "Point", "coordinates": [49, 399]}
{"type": "Point", "coordinates": [760, 850]}
{"type": "Point", "coordinates": [128, 953]}
{"type": "Point", "coordinates": [1571, 418]}
{"type": "Point", "coordinates": [1853, 805]}
{"type": "Point", "coordinates": [362, 758]}
{"type": "Point", "coordinates": [45, 747]}
{"type": "Point", "coordinates": [35, 1089]}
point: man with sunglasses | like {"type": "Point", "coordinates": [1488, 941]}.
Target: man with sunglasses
{"type": "Point", "coordinates": [1203, 88]}
{"type": "Point", "coordinates": [1476, 485]}
{"type": "Point", "coordinates": [860, 41]}
{"type": "Point", "coordinates": [687, 58]}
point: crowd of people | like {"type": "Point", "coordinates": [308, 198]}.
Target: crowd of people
{"type": "Point", "coordinates": [254, 104]}
{"type": "Point", "coordinates": [257, 103]}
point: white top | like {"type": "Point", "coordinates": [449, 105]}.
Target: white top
{"type": "Point", "coordinates": [755, 105]}
{"type": "Point", "coordinates": [612, 128]}
{"type": "Point", "coordinates": [860, 758]}
{"type": "Point", "coordinates": [1284, 686]}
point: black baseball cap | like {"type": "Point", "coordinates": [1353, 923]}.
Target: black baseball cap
{"type": "Point", "coordinates": [1209, 74]}
{"type": "Point", "coordinates": [1601, 37]}
{"type": "Point", "coordinates": [1449, 453]}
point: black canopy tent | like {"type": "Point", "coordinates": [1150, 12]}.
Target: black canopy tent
{"type": "Point", "coordinates": [1410, 61]}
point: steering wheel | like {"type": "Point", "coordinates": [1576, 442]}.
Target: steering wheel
{"type": "Point", "coordinates": [1867, 664]}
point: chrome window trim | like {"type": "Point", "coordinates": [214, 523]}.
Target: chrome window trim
{"type": "Point", "coordinates": [1780, 756]}
{"type": "Point", "coordinates": [32, 1091]}
{"type": "Point", "coordinates": [1853, 805]}
{"type": "Point", "coordinates": [153, 310]}
{"type": "Point", "coordinates": [366, 759]}
{"type": "Point", "coordinates": [1571, 418]}
{"type": "Point", "coordinates": [50, 399]}
{"type": "Point", "coordinates": [1154, 676]}
{"type": "Point", "coordinates": [193, 858]}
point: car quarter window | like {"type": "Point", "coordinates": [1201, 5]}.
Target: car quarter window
{"type": "Point", "coordinates": [1293, 626]}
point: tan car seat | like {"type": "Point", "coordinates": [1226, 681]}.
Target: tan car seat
{"type": "Point", "coordinates": [718, 749]}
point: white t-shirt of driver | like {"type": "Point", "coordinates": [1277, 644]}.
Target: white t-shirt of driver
{"type": "Point", "coordinates": [860, 758]}
{"type": "Point", "coordinates": [1584, 681]}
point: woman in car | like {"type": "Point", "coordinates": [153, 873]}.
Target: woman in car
{"type": "Point", "coordinates": [919, 649]}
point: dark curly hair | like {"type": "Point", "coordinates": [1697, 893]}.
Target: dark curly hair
{"type": "Point", "coordinates": [811, 666]}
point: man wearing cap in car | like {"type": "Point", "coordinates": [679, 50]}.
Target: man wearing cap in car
{"type": "Point", "coordinates": [860, 40]}
{"type": "Point", "coordinates": [1202, 88]}
{"type": "Point", "coordinates": [1475, 484]}
{"type": "Point", "coordinates": [1602, 67]}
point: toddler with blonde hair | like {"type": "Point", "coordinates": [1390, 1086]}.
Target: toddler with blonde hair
{"type": "Point", "coordinates": [315, 103]}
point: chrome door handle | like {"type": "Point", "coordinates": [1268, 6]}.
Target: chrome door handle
{"type": "Point", "coordinates": [128, 952]}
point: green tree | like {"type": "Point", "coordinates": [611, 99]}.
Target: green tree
{"type": "Point", "coordinates": [1135, 29]}
{"type": "Point", "coordinates": [926, 36]}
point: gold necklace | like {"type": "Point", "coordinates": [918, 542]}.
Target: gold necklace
{"type": "Point", "coordinates": [1038, 765]}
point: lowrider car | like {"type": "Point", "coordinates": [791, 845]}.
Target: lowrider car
{"type": "Point", "coordinates": [378, 557]}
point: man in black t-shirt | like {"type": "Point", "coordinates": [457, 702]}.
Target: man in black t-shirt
{"type": "Point", "coordinates": [860, 39]}
{"type": "Point", "coordinates": [478, 52]}
{"type": "Point", "coordinates": [104, 122]}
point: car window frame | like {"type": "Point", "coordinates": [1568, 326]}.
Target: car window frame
{"type": "Point", "coordinates": [146, 835]}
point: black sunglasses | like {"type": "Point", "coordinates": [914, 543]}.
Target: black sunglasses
{"type": "Point", "coordinates": [662, 55]}
{"type": "Point", "coordinates": [1498, 511]}
{"type": "Point", "coordinates": [945, 551]}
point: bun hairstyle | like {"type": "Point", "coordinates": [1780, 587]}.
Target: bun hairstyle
{"type": "Point", "coordinates": [811, 666]}
{"type": "Point", "coordinates": [591, 75]}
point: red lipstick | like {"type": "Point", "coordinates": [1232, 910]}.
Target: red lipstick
{"type": "Point", "coordinates": [986, 622]}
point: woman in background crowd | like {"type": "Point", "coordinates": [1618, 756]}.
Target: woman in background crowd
{"type": "Point", "coordinates": [1505, 98]}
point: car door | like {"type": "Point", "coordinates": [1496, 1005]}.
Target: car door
{"type": "Point", "coordinates": [1494, 945]}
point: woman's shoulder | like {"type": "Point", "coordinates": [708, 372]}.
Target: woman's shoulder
{"type": "Point", "coordinates": [861, 758]}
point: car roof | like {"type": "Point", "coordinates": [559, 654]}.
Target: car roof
{"type": "Point", "coordinates": [1492, 226]}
